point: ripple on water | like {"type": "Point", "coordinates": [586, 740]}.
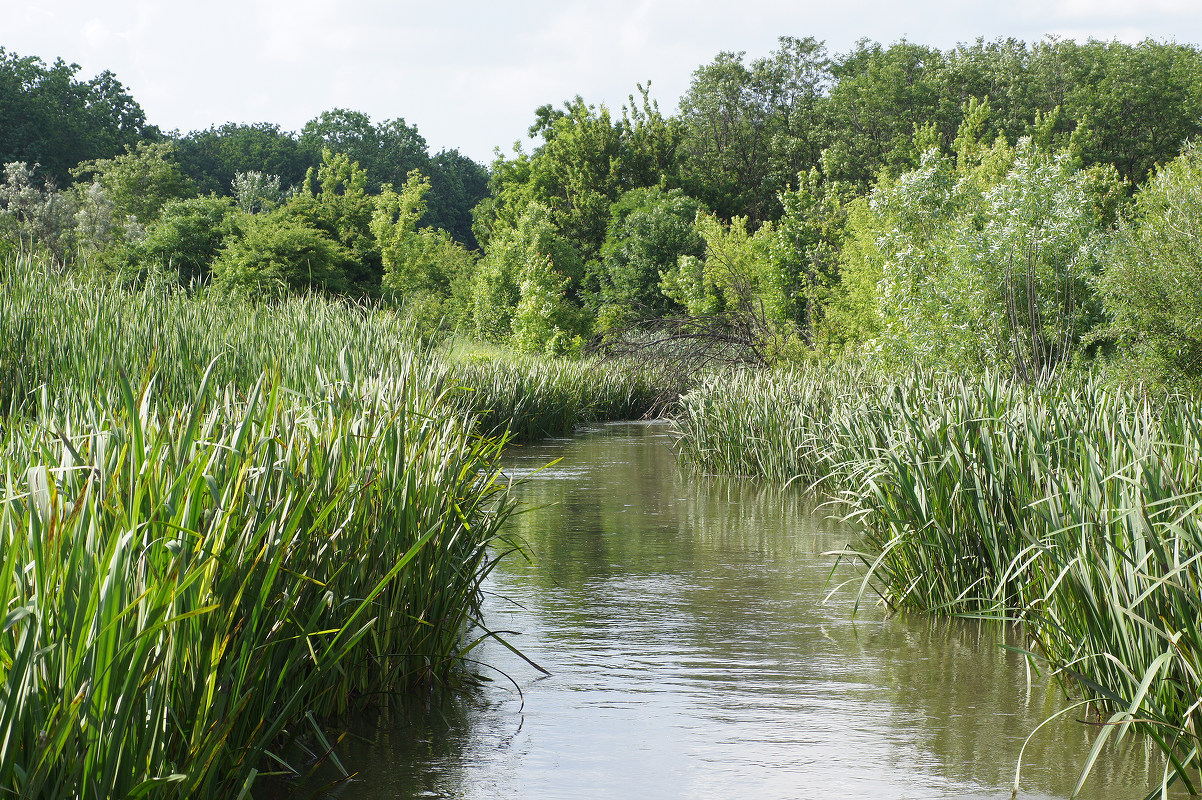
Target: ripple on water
{"type": "Point", "coordinates": [694, 653]}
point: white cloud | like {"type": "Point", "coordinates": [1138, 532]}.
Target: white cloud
{"type": "Point", "coordinates": [96, 33]}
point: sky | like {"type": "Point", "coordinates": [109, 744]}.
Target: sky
{"type": "Point", "coordinates": [470, 74]}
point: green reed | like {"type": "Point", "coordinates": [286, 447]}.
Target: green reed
{"type": "Point", "coordinates": [1075, 508]}
{"type": "Point", "coordinates": [188, 589]}
{"type": "Point", "coordinates": [73, 338]}
{"type": "Point", "coordinates": [224, 523]}
{"type": "Point", "coordinates": [536, 397]}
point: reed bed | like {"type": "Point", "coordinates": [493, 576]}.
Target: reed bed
{"type": "Point", "coordinates": [225, 523]}
{"type": "Point", "coordinates": [1074, 508]}
{"type": "Point", "coordinates": [532, 398]}
{"type": "Point", "coordinates": [187, 589]}
{"type": "Point", "coordinates": [74, 338]}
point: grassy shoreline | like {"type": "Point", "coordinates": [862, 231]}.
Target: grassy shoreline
{"type": "Point", "coordinates": [1074, 509]}
{"type": "Point", "coordinates": [225, 523]}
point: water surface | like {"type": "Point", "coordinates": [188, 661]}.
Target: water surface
{"type": "Point", "coordinates": [699, 647]}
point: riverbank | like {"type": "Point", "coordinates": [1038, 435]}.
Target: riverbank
{"type": "Point", "coordinates": [1072, 508]}
{"type": "Point", "coordinates": [225, 523]}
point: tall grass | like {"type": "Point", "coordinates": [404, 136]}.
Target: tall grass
{"type": "Point", "coordinates": [1075, 508]}
{"type": "Point", "coordinates": [224, 523]}
{"type": "Point", "coordinates": [532, 398]}
{"type": "Point", "coordinates": [184, 587]}
{"type": "Point", "coordinates": [73, 338]}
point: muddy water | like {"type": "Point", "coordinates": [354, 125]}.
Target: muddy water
{"type": "Point", "coordinates": [700, 647]}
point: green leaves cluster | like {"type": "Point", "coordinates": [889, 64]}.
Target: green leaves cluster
{"type": "Point", "coordinates": [985, 260]}
{"type": "Point", "coordinates": [1153, 279]}
{"type": "Point", "coordinates": [137, 217]}
{"type": "Point", "coordinates": [49, 117]}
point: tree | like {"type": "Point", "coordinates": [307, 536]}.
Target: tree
{"type": "Point", "coordinates": [140, 181]}
{"type": "Point", "coordinates": [982, 261]}
{"type": "Point", "coordinates": [1153, 280]}
{"type": "Point", "coordinates": [735, 275]}
{"type": "Point", "coordinates": [1138, 103]}
{"type": "Point", "coordinates": [51, 118]}
{"type": "Point", "coordinates": [36, 216]}
{"type": "Point", "coordinates": [255, 192]}
{"type": "Point", "coordinates": [183, 242]}
{"type": "Point", "coordinates": [543, 321]}
{"type": "Point", "coordinates": [805, 247]}
{"type": "Point", "coordinates": [749, 130]}
{"type": "Point", "coordinates": [402, 249]}
{"type": "Point", "coordinates": [457, 185]}
{"type": "Point", "coordinates": [387, 151]}
{"type": "Point", "coordinates": [586, 161]}
{"type": "Point", "coordinates": [880, 97]}
{"type": "Point", "coordinates": [649, 230]}
{"type": "Point", "coordinates": [212, 158]}
{"type": "Point", "coordinates": [576, 173]}
{"type": "Point", "coordinates": [333, 199]}
{"type": "Point", "coordinates": [534, 243]}
{"type": "Point", "coordinates": [278, 252]}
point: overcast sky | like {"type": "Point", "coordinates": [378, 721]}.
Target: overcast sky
{"type": "Point", "coordinates": [470, 74]}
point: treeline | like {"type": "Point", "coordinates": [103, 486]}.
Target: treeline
{"type": "Point", "coordinates": [997, 204]}
{"type": "Point", "coordinates": [51, 118]}
{"type": "Point", "coordinates": [971, 207]}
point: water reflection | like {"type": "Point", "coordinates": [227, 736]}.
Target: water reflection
{"type": "Point", "coordinates": [693, 656]}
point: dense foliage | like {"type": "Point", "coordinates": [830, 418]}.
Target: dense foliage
{"type": "Point", "coordinates": [967, 207]}
{"type": "Point", "coordinates": [202, 566]}
{"type": "Point", "coordinates": [49, 117]}
{"type": "Point", "coordinates": [1024, 216]}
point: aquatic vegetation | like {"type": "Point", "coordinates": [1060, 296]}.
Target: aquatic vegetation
{"type": "Point", "coordinates": [1074, 508]}
{"type": "Point", "coordinates": [187, 589]}
{"type": "Point", "coordinates": [225, 523]}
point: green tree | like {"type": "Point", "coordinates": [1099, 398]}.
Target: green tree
{"type": "Point", "coordinates": [407, 253]}
{"type": "Point", "coordinates": [1153, 280]}
{"type": "Point", "coordinates": [534, 243]}
{"type": "Point", "coordinates": [649, 230]}
{"type": "Point", "coordinates": [140, 181]}
{"type": "Point", "coordinates": [457, 185]}
{"type": "Point", "coordinates": [183, 242]}
{"type": "Point", "coordinates": [587, 159]}
{"type": "Point", "coordinates": [577, 173]}
{"type": "Point", "coordinates": [880, 97]}
{"type": "Point", "coordinates": [51, 118]}
{"type": "Point", "coordinates": [333, 199]}
{"type": "Point", "coordinates": [387, 151]}
{"type": "Point", "coordinates": [543, 321]}
{"type": "Point", "coordinates": [212, 158]}
{"type": "Point", "coordinates": [255, 192]}
{"type": "Point", "coordinates": [982, 261]}
{"type": "Point", "coordinates": [736, 273]}
{"type": "Point", "coordinates": [1138, 103]}
{"type": "Point", "coordinates": [749, 130]}
{"type": "Point", "coordinates": [805, 247]}
{"type": "Point", "coordinates": [279, 252]}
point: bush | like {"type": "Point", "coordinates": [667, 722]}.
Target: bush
{"type": "Point", "coordinates": [276, 252]}
{"type": "Point", "coordinates": [1153, 283]}
{"type": "Point", "coordinates": [184, 241]}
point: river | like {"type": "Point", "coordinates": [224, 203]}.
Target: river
{"type": "Point", "coordinates": [699, 646]}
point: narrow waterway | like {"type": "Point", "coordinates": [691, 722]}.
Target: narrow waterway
{"type": "Point", "coordinates": [699, 647]}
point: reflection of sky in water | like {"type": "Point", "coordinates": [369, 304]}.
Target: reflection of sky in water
{"type": "Point", "coordinates": [692, 656]}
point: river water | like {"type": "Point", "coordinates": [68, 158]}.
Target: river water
{"type": "Point", "coordinates": [699, 646]}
